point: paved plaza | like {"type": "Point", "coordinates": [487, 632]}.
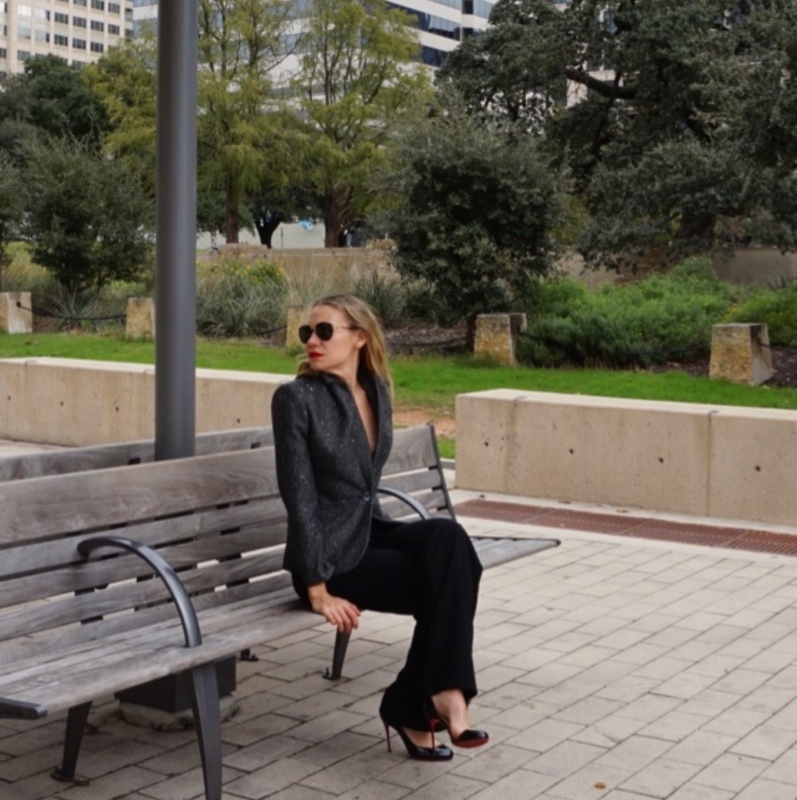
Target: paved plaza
{"type": "Point", "coordinates": [610, 667]}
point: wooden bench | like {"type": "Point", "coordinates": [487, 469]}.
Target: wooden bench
{"type": "Point", "coordinates": [110, 578]}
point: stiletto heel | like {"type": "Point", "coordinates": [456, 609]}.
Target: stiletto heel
{"type": "Point", "coordinates": [437, 752]}
{"type": "Point", "coordinates": [470, 737]}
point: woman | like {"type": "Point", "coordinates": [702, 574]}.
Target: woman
{"type": "Point", "coordinates": [332, 434]}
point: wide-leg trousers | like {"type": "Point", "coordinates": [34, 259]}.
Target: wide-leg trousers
{"type": "Point", "coordinates": [428, 569]}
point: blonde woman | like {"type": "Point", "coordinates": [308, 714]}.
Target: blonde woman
{"type": "Point", "coordinates": [332, 433]}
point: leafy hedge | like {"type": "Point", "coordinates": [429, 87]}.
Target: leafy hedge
{"type": "Point", "coordinates": [662, 318]}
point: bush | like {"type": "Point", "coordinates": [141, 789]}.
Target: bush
{"type": "Point", "coordinates": [385, 294]}
{"type": "Point", "coordinates": [662, 318]}
{"type": "Point", "coordinates": [777, 308]}
{"type": "Point", "coordinates": [237, 298]}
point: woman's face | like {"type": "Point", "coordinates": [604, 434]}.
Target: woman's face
{"type": "Point", "coordinates": [340, 354]}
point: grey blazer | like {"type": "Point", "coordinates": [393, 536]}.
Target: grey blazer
{"type": "Point", "coordinates": [326, 474]}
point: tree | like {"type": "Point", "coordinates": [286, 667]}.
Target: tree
{"type": "Point", "coordinates": [12, 207]}
{"type": "Point", "coordinates": [680, 125]}
{"type": "Point", "coordinates": [125, 80]}
{"type": "Point", "coordinates": [473, 209]}
{"type": "Point", "coordinates": [52, 97]}
{"type": "Point", "coordinates": [88, 221]}
{"type": "Point", "coordinates": [358, 77]}
{"type": "Point", "coordinates": [241, 43]}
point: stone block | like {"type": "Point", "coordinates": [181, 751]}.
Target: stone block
{"type": "Point", "coordinates": [496, 336]}
{"type": "Point", "coordinates": [740, 353]}
{"type": "Point", "coordinates": [14, 314]}
{"type": "Point", "coordinates": [297, 315]}
{"type": "Point", "coordinates": [140, 318]}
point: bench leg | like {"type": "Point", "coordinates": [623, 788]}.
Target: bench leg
{"type": "Point", "coordinates": [338, 657]}
{"type": "Point", "coordinates": [75, 725]}
{"type": "Point", "coordinates": [207, 721]}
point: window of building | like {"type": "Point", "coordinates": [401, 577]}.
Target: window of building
{"type": "Point", "coordinates": [97, 47]}
{"type": "Point", "coordinates": [23, 32]}
{"type": "Point", "coordinates": [79, 22]}
{"type": "Point", "coordinates": [98, 4]}
{"type": "Point", "coordinates": [114, 8]}
{"type": "Point", "coordinates": [41, 14]}
{"type": "Point", "coordinates": [3, 52]}
{"type": "Point", "coordinates": [61, 41]}
{"type": "Point", "coordinates": [113, 29]}
{"type": "Point", "coordinates": [24, 11]}
{"type": "Point", "coordinates": [78, 64]}
{"type": "Point", "coordinates": [42, 36]}
{"type": "Point", "coordinates": [63, 19]}
{"type": "Point", "coordinates": [79, 2]}
{"type": "Point", "coordinates": [79, 44]}
{"type": "Point", "coordinates": [3, 7]}
{"type": "Point", "coordinates": [129, 31]}
{"type": "Point", "coordinates": [96, 25]}
{"type": "Point", "coordinates": [23, 55]}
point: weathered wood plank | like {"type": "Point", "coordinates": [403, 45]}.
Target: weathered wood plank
{"type": "Point", "coordinates": [412, 449]}
{"type": "Point", "coordinates": [493, 552]}
{"type": "Point", "coordinates": [52, 506]}
{"type": "Point", "coordinates": [269, 512]}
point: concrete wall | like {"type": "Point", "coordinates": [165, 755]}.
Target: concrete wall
{"type": "Point", "coordinates": [717, 461]}
{"type": "Point", "coordinates": [754, 264]}
{"type": "Point", "coordinates": [73, 403]}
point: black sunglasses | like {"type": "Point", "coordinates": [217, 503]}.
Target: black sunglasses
{"type": "Point", "coordinates": [323, 331]}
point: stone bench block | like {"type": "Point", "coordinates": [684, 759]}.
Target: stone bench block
{"type": "Point", "coordinates": [140, 318]}
{"type": "Point", "coordinates": [740, 353]}
{"type": "Point", "coordinates": [496, 336]}
{"type": "Point", "coordinates": [13, 318]}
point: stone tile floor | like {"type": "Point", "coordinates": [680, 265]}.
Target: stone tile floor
{"type": "Point", "coordinates": [611, 667]}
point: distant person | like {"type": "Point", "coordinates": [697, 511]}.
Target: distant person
{"type": "Point", "coordinates": [333, 432]}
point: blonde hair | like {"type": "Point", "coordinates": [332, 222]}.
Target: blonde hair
{"type": "Point", "coordinates": [373, 354]}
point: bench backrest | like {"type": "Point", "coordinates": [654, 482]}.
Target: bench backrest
{"type": "Point", "coordinates": [217, 519]}
{"type": "Point", "coordinates": [414, 467]}
{"type": "Point", "coordinates": [80, 459]}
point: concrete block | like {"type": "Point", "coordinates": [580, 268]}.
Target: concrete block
{"type": "Point", "coordinates": [588, 449]}
{"type": "Point", "coordinates": [753, 462]}
{"type": "Point", "coordinates": [740, 353]}
{"type": "Point", "coordinates": [140, 318]}
{"type": "Point", "coordinates": [13, 317]}
{"type": "Point", "coordinates": [496, 336]}
{"type": "Point", "coordinates": [74, 402]}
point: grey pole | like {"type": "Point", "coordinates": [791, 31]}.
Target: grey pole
{"type": "Point", "coordinates": [175, 272]}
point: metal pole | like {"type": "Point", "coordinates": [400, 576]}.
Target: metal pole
{"type": "Point", "coordinates": [175, 272]}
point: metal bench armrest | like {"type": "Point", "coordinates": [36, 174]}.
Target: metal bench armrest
{"type": "Point", "coordinates": [162, 568]}
{"type": "Point", "coordinates": [409, 500]}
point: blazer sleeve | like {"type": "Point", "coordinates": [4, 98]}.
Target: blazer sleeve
{"type": "Point", "coordinates": [290, 421]}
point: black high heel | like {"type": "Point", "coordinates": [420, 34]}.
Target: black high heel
{"type": "Point", "coordinates": [437, 752]}
{"type": "Point", "coordinates": [470, 737]}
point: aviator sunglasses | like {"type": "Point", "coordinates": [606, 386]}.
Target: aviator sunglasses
{"type": "Point", "coordinates": [323, 331]}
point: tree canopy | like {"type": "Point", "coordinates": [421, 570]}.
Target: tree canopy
{"type": "Point", "coordinates": [676, 120]}
{"type": "Point", "coordinates": [473, 209]}
{"type": "Point", "coordinates": [358, 76]}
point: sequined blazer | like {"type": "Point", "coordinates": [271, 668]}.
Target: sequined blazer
{"type": "Point", "coordinates": [326, 474]}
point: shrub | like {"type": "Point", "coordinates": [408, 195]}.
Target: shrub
{"type": "Point", "coordinates": [385, 294]}
{"type": "Point", "coordinates": [777, 308]}
{"type": "Point", "coordinates": [238, 298]}
{"type": "Point", "coordinates": [662, 318]}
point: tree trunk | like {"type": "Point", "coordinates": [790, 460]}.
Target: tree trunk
{"type": "Point", "coordinates": [334, 222]}
{"type": "Point", "coordinates": [231, 221]}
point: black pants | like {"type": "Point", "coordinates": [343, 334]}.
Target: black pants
{"type": "Point", "coordinates": [428, 569]}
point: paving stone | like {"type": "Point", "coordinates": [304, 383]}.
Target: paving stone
{"type": "Point", "coordinates": [566, 758]}
{"type": "Point", "coordinates": [701, 748]}
{"type": "Point", "coordinates": [518, 785]}
{"type": "Point", "coordinates": [593, 781]}
{"type": "Point", "coordinates": [674, 727]}
{"type": "Point", "coordinates": [762, 789]}
{"type": "Point", "coordinates": [731, 772]}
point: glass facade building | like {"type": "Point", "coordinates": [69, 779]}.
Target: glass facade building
{"type": "Point", "coordinates": [77, 31]}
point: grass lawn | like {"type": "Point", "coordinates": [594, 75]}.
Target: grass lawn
{"type": "Point", "coordinates": [420, 383]}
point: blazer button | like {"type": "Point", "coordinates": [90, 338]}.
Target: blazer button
{"type": "Point", "coordinates": [366, 498]}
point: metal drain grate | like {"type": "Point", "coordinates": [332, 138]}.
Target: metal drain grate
{"type": "Point", "coordinates": [621, 525]}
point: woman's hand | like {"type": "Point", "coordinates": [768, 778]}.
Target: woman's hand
{"type": "Point", "coordinates": [345, 616]}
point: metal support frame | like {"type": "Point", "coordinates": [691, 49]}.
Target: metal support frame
{"type": "Point", "coordinates": [202, 678]}
{"type": "Point", "coordinates": [76, 721]}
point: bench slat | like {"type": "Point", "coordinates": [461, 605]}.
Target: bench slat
{"type": "Point", "coordinates": [54, 505]}
{"type": "Point", "coordinates": [412, 448]}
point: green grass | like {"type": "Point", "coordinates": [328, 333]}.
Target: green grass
{"type": "Point", "coordinates": [431, 383]}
